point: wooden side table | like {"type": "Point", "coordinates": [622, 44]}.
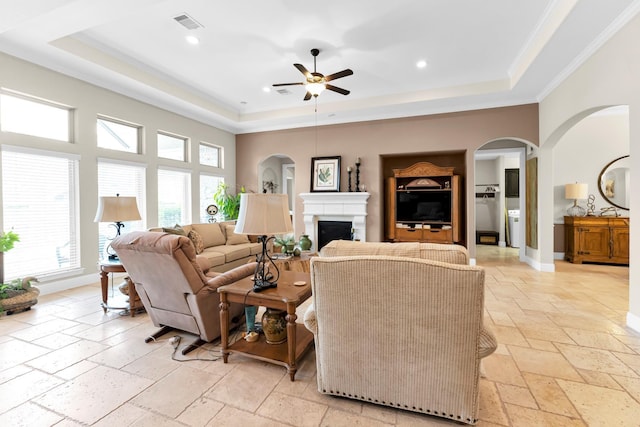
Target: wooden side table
{"type": "Point", "coordinates": [109, 266]}
{"type": "Point", "coordinates": [286, 296]}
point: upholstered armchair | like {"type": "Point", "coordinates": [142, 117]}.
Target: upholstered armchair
{"type": "Point", "coordinates": [400, 331]}
{"type": "Point", "coordinates": [175, 291]}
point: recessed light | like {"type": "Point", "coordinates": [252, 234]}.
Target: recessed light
{"type": "Point", "coordinates": [192, 40]}
{"type": "Point", "coordinates": [421, 64]}
{"type": "Point", "coordinates": [266, 89]}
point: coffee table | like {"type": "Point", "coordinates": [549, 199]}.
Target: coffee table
{"type": "Point", "coordinates": [286, 296]}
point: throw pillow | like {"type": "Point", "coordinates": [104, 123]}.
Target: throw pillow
{"type": "Point", "coordinates": [212, 234]}
{"type": "Point", "coordinates": [196, 238]}
{"type": "Point", "coordinates": [177, 229]}
{"type": "Point", "coordinates": [233, 238]}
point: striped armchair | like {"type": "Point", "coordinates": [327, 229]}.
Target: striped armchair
{"type": "Point", "coordinates": [399, 330]}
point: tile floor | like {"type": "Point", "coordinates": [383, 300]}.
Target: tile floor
{"type": "Point", "coordinates": [565, 358]}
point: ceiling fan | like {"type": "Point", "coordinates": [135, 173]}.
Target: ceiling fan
{"type": "Point", "coordinates": [316, 82]}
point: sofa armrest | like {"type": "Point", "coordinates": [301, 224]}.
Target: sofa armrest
{"type": "Point", "coordinates": [487, 343]}
{"type": "Point", "coordinates": [231, 276]}
{"type": "Point", "coordinates": [310, 320]}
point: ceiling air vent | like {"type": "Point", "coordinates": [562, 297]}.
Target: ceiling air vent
{"type": "Point", "coordinates": [284, 91]}
{"type": "Point", "coordinates": [188, 22]}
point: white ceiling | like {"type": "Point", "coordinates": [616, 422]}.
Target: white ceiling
{"type": "Point", "coordinates": [480, 53]}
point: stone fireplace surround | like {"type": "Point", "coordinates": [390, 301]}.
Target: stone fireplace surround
{"type": "Point", "coordinates": [343, 206]}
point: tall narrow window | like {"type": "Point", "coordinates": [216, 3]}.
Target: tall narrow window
{"type": "Point", "coordinates": [125, 179]}
{"type": "Point", "coordinates": [40, 204]}
{"type": "Point", "coordinates": [172, 147]}
{"type": "Point", "coordinates": [31, 116]}
{"type": "Point", "coordinates": [174, 197]}
{"type": "Point", "coordinates": [119, 135]}
{"type": "Point", "coordinates": [210, 155]}
{"type": "Point", "coordinates": [208, 186]}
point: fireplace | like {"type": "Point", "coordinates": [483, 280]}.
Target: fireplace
{"type": "Point", "coordinates": [335, 207]}
{"type": "Point", "coordinates": [333, 230]}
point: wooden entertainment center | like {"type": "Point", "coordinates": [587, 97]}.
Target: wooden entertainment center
{"type": "Point", "coordinates": [423, 204]}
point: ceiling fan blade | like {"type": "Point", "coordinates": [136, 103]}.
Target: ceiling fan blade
{"type": "Point", "coordinates": [287, 84]}
{"type": "Point", "coordinates": [303, 70]}
{"type": "Point", "coordinates": [339, 74]}
{"type": "Point", "coordinates": [337, 89]}
{"type": "Point", "coordinates": [307, 96]}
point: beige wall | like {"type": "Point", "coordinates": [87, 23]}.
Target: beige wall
{"type": "Point", "coordinates": [607, 78]}
{"type": "Point", "coordinates": [462, 131]}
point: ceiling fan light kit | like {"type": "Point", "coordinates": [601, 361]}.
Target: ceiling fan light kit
{"type": "Point", "coordinates": [316, 82]}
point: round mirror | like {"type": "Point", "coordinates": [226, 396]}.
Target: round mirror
{"type": "Point", "coordinates": [613, 182]}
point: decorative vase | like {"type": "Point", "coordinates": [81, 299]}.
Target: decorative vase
{"type": "Point", "coordinates": [305, 242]}
{"type": "Point", "coordinates": [290, 246]}
{"type": "Point", "coordinates": [274, 326]}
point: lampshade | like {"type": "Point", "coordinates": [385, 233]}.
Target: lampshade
{"type": "Point", "coordinates": [315, 89]}
{"type": "Point", "coordinates": [117, 209]}
{"type": "Point", "coordinates": [576, 191]}
{"type": "Point", "coordinates": [263, 214]}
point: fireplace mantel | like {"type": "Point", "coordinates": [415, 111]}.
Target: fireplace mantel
{"type": "Point", "coordinates": [343, 206]}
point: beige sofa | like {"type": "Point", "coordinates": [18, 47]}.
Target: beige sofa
{"type": "Point", "coordinates": [401, 325]}
{"type": "Point", "coordinates": [218, 248]}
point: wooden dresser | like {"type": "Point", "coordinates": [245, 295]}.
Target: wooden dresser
{"type": "Point", "coordinates": [596, 239]}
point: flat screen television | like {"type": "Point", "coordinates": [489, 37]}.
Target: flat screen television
{"type": "Point", "coordinates": [427, 206]}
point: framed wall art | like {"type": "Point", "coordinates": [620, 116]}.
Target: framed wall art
{"type": "Point", "coordinates": [325, 173]}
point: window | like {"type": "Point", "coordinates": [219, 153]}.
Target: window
{"type": "Point", "coordinates": [210, 155]}
{"type": "Point", "coordinates": [40, 204]}
{"type": "Point", "coordinates": [174, 201]}
{"type": "Point", "coordinates": [208, 186]}
{"type": "Point", "coordinates": [172, 147]}
{"type": "Point", "coordinates": [118, 135]}
{"type": "Point", "coordinates": [29, 116]}
{"type": "Point", "coordinates": [126, 179]}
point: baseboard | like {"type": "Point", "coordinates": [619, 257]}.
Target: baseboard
{"type": "Point", "coordinates": [547, 268]}
{"type": "Point", "coordinates": [558, 255]}
{"type": "Point", "coordinates": [633, 321]}
{"type": "Point", "coordinates": [53, 286]}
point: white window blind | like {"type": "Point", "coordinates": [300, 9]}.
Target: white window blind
{"type": "Point", "coordinates": [128, 180]}
{"type": "Point", "coordinates": [40, 204]}
{"type": "Point", "coordinates": [174, 197]}
{"type": "Point", "coordinates": [208, 186]}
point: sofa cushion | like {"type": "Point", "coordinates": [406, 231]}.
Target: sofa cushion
{"type": "Point", "coordinates": [177, 229]}
{"type": "Point", "coordinates": [196, 238]}
{"type": "Point", "coordinates": [211, 234]}
{"type": "Point", "coordinates": [234, 252]}
{"type": "Point", "coordinates": [214, 257]}
{"type": "Point", "coordinates": [232, 237]}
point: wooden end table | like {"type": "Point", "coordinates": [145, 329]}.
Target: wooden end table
{"type": "Point", "coordinates": [286, 296]}
{"type": "Point", "coordinates": [114, 266]}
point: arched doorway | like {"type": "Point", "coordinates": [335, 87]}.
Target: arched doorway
{"type": "Point", "coordinates": [276, 174]}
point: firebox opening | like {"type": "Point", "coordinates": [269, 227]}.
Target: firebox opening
{"type": "Point", "coordinates": [333, 230]}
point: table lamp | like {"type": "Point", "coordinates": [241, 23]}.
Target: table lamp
{"type": "Point", "coordinates": [576, 192]}
{"type": "Point", "coordinates": [264, 215]}
{"type": "Point", "coordinates": [117, 210]}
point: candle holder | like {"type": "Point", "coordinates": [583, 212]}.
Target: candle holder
{"type": "Point", "coordinates": [349, 173]}
{"type": "Point", "coordinates": [358, 175]}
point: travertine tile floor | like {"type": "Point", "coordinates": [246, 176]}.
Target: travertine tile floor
{"type": "Point", "coordinates": [565, 358]}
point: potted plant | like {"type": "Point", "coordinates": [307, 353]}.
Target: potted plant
{"type": "Point", "coordinates": [228, 204]}
{"type": "Point", "coordinates": [18, 295]}
{"type": "Point", "coordinates": [7, 240]}
{"type": "Point", "coordinates": [287, 243]}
